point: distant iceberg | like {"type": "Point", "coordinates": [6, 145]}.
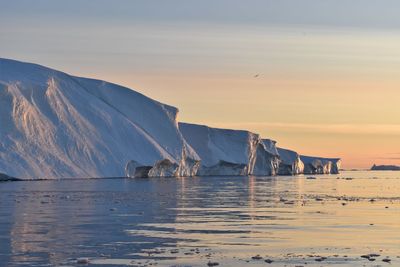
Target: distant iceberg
{"type": "Point", "coordinates": [6, 178]}
{"type": "Point", "coordinates": [385, 168]}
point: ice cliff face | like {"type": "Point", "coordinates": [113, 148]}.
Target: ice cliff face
{"type": "Point", "coordinates": [54, 125]}
{"type": "Point", "coordinates": [229, 152]}
{"type": "Point", "coordinates": [291, 163]}
{"type": "Point", "coordinates": [317, 165]}
{"type": "Point", "coordinates": [272, 156]}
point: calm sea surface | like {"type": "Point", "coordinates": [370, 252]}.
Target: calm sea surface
{"type": "Point", "coordinates": [287, 221]}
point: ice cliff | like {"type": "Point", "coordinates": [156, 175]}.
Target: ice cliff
{"type": "Point", "coordinates": [54, 125]}
{"type": "Point", "coordinates": [229, 152]}
{"type": "Point", "coordinates": [290, 163]}
{"type": "Point", "coordinates": [273, 157]}
{"type": "Point", "coordinates": [317, 165]}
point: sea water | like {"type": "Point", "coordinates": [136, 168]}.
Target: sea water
{"type": "Point", "coordinates": [231, 221]}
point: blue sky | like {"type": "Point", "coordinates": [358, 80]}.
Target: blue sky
{"type": "Point", "coordinates": [354, 13]}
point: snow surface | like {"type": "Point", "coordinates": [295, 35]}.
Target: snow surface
{"type": "Point", "coordinates": [54, 125]}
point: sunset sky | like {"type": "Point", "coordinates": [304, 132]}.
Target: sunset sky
{"type": "Point", "coordinates": [328, 72]}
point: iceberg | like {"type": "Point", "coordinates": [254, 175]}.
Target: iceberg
{"type": "Point", "coordinates": [290, 162]}
{"type": "Point", "coordinates": [273, 157]}
{"type": "Point", "coordinates": [385, 168]}
{"type": "Point", "coordinates": [6, 178]}
{"type": "Point", "coordinates": [317, 165]}
{"type": "Point", "coordinates": [54, 125]}
{"type": "Point", "coordinates": [229, 152]}
{"type": "Point", "coordinates": [336, 165]}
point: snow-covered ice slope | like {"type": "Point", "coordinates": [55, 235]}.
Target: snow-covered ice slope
{"type": "Point", "coordinates": [54, 125]}
{"type": "Point", "coordinates": [317, 165]}
{"type": "Point", "coordinates": [228, 152]}
{"type": "Point", "coordinates": [290, 163]}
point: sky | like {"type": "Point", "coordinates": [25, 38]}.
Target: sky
{"type": "Point", "coordinates": [320, 77]}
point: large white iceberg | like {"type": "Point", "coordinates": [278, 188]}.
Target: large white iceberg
{"type": "Point", "coordinates": [54, 125]}
{"type": "Point", "coordinates": [229, 152]}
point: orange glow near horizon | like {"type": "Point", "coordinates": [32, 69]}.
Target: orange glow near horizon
{"type": "Point", "coordinates": [321, 118]}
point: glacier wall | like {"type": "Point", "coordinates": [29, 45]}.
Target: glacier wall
{"type": "Point", "coordinates": [272, 156]}
{"type": "Point", "coordinates": [318, 165]}
{"type": "Point", "coordinates": [229, 152]}
{"type": "Point", "coordinates": [291, 163]}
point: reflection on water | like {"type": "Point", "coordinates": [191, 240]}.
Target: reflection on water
{"type": "Point", "coordinates": [193, 221]}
